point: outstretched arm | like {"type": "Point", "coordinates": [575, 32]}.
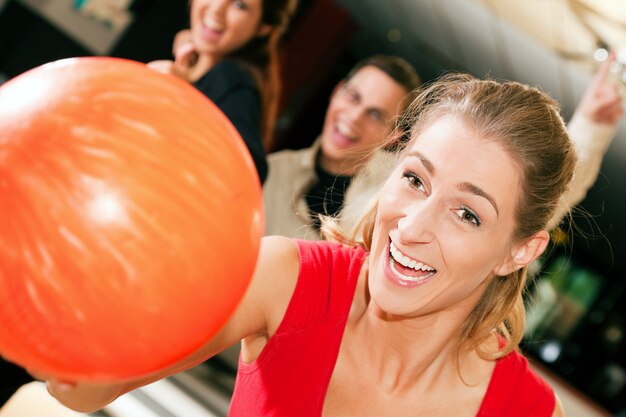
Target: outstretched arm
{"type": "Point", "coordinates": [592, 129]}
{"type": "Point", "coordinates": [259, 314]}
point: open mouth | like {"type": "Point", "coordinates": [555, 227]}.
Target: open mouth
{"type": "Point", "coordinates": [212, 24]}
{"type": "Point", "coordinates": [408, 271]}
{"type": "Point", "coordinates": [346, 134]}
{"type": "Point", "coordinates": [211, 30]}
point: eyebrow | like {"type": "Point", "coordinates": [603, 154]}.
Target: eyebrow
{"type": "Point", "coordinates": [474, 189]}
{"type": "Point", "coordinates": [425, 161]}
{"type": "Point", "coordinates": [385, 114]}
{"type": "Point", "coordinates": [463, 186]}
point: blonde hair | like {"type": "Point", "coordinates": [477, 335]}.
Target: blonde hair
{"type": "Point", "coordinates": [528, 125]}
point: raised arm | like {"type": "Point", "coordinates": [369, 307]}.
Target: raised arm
{"type": "Point", "coordinates": [592, 129]}
{"type": "Point", "coordinates": [259, 314]}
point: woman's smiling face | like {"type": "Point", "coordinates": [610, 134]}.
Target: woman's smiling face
{"type": "Point", "coordinates": [445, 222]}
{"type": "Point", "coordinates": [220, 27]}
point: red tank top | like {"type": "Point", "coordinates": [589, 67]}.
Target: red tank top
{"type": "Point", "coordinates": [291, 375]}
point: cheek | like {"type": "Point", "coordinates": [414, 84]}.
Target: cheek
{"type": "Point", "coordinates": [331, 114]}
{"type": "Point", "coordinates": [376, 134]}
{"type": "Point", "coordinates": [244, 26]}
{"type": "Point", "coordinates": [379, 238]}
{"type": "Point", "coordinates": [472, 255]}
{"type": "Point", "coordinates": [386, 208]}
{"type": "Point", "coordinates": [195, 21]}
{"type": "Point", "coordinates": [335, 107]}
{"type": "Point", "coordinates": [392, 199]}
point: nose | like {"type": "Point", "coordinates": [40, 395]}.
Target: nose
{"type": "Point", "coordinates": [218, 7]}
{"type": "Point", "coordinates": [355, 113]}
{"type": "Point", "coordinates": [418, 223]}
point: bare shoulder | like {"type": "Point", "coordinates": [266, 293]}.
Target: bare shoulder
{"type": "Point", "coordinates": [278, 264]}
{"type": "Point", "coordinates": [275, 277]}
{"type": "Point", "coordinates": [558, 407]}
{"type": "Point", "coordinates": [278, 249]}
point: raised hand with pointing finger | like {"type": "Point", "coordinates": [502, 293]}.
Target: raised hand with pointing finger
{"type": "Point", "coordinates": [592, 129]}
{"type": "Point", "coordinates": [602, 101]}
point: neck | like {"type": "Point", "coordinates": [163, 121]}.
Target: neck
{"type": "Point", "coordinates": [416, 352]}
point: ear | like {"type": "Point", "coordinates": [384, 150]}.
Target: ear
{"type": "Point", "coordinates": [264, 30]}
{"type": "Point", "coordinates": [524, 253]}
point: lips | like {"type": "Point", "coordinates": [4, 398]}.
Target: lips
{"type": "Point", "coordinates": [211, 31]}
{"type": "Point", "coordinates": [212, 24]}
{"type": "Point", "coordinates": [346, 131]}
{"type": "Point", "coordinates": [406, 271]}
{"type": "Point", "coordinates": [343, 135]}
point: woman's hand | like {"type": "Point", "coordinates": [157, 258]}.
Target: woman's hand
{"type": "Point", "coordinates": [166, 67]}
{"type": "Point", "coordinates": [185, 58]}
{"type": "Point", "coordinates": [602, 101]}
{"type": "Point", "coordinates": [82, 397]}
{"type": "Point", "coordinates": [182, 41]}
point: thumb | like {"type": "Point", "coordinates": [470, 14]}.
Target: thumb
{"type": "Point", "coordinates": [186, 56]}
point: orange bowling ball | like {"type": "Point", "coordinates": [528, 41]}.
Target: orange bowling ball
{"type": "Point", "coordinates": [130, 219]}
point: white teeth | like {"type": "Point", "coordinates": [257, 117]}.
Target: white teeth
{"type": "Point", "coordinates": [408, 262]}
{"type": "Point", "coordinates": [345, 130]}
{"type": "Point", "coordinates": [212, 24]}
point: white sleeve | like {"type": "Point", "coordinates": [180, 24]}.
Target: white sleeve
{"type": "Point", "coordinates": [591, 141]}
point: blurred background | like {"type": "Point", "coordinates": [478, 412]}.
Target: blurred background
{"type": "Point", "coordinates": [577, 313]}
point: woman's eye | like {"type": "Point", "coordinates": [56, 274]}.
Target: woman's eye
{"type": "Point", "coordinates": [241, 4]}
{"type": "Point", "coordinates": [468, 216]}
{"type": "Point", "coordinates": [376, 115]}
{"type": "Point", "coordinates": [351, 94]}
{"type": "Point", "coordinates": [415, 181]}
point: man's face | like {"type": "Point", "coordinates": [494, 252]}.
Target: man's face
{"type": "Point", "coordinates": [360, 115]}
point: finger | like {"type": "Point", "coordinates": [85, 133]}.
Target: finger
{"type": "Point", "coordinates": [185, 55]}
{"type": "Point", "coordinates": [607, 96]}
{"type": "Point", "coordinates": [155, 64]}
{"type": "Point", "coordinates": [163, 66]}
{"type": "Point", "coordinates": [63, 386]}
{"type": "Point", "coordinates": [58, 389]}
{"type": "Point", "coordinates": [182, 37]}
{"type": "Point", "coordinates": [605, 68]}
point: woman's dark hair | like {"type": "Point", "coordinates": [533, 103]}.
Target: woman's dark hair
{"type": "Point", "coordinates": [261, 54]}
{"type": "Point", "coordinates": [397, 68]}
{"type": "Point", "coordinates": [394, 66]}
